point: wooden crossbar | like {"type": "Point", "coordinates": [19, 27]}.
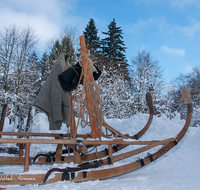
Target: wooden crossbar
{"type": "Point", "coordinates": [22, 134]}
{"type": "Point", "coordinates": [73, 142]}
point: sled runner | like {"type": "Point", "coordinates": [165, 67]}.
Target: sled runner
{"type": "Point", "coordinates": [77, 145]}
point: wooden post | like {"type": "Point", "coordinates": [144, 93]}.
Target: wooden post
{"type": "Point", "coordinates": [93, 125]}
{"type": "Point", "coordinates": [26, 160]}
{"type": "Point", "coordinates": [110, 150]}
{"type": "Point", "coordinates": [73, 130]}
{"type": "Point", "coordinates": [59, 152]}
{"type": "Point", "coordinates": [20, 150]}
{"type": "Point", "coordinates": [77, 158]}
{"type": "Point", "coordinates": [3, 116]}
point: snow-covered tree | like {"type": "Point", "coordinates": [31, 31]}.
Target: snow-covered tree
{"type": "Point", "coordinates": [63, 45]}
{"type": "Point", "coordinates": [116, 97]}
{"type": "Point", "coordinates": [146, 77]}
{"type": "Point", "coordinates": [192, 81]}
{"type": "Point", "coordinates": [8, 45]}
{"type": "Point", "coordinates": [17, 47]}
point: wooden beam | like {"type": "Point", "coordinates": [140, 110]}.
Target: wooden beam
{"type": "Point", "coordinates": [73, 142]}
{"type": "Point", "coordinates": [21, 150]}
{"type": "Point", "coordinates": [59, 152]}
{"type": "Point", "coordinates": [22, 134]}
{"type": "Point", "coordinates": [110, 150]}
{"type": "Point", "coordinates": [89, 75]}
{"type": "Point", "coordinates": [73, 130]}
{"type": "Point", "coordinates": [27, 154]}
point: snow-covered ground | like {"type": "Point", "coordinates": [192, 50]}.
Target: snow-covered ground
{"type": "Point", "coordinates": [178, 169]}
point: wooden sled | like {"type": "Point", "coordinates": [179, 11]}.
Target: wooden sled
{"type": "Point", "coordinates": [79, 143]}
{"type": "Point", "coordinates": [51, 157]}
{"type": "Point", "coordinates": [80, 172]}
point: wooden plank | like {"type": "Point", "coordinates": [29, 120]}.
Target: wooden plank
{"type": "Point", "coordinates": [73, 130]}
{"type": "Point", "coordinates": [113, 130]}
{"type": "Point", "coordinates": [67, 159]}
{"type": "Point", "coordinates": [59, 152]}
{"type": "Point", "coordinates": [20, 150]}
{"type": "Point", "coordinates": [98, 174]}
{"type": "Point", "coordinates": [143, 130]}
{"type": "Point", "coordinates": [140, 150]}
{"type": "Point", "coordinates": [26, 160]}
{"type": "Point", "coordinates": [110, 150]}
{"type": "Point", "coordinates": [93, 125]}
{"type": "Point", "coordinates": [77, 158]}
{"type": "Point", "coordinates": [71, 142]}
{"type": "Point", "coordinates": [22, 134]}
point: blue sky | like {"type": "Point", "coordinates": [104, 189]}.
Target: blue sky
{"type": "Point", "coordinates": [169, 29]}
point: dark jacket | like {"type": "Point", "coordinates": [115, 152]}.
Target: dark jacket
{"type": "Point", "coordinates": [69, 79]}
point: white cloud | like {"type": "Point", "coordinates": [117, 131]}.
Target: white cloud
{"type": "Point", "coordinates": [46, 17]}
{"type": "Point", "coordinates": [182, 3]}
{"type": "Point", "coordinates": [172, 51]}
{"type": "Point", "coordinates": [192, 28]}
{"type": "Point", "coordinates": [140, 26]}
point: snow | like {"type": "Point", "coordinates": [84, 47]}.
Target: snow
{"type": "Point", "coordinates": [177, 169]}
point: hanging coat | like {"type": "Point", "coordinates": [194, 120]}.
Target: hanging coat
{"type": "Point", "coordinates": [52, 99]}
{"type": "Point", "coordinates": [69, 79]}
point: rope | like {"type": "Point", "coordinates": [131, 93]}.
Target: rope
{"type": "Point", "coordinates": [93, 89]}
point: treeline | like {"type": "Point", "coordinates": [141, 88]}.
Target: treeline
{"type": "Point", "coordinates": [123, 85]}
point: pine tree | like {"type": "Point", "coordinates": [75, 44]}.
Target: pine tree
{"type": "Point", "coordinates": [91, 39]}
{"type": "Point", "coordinates": [64, 45]}
{"type": "Point", "coordinates": [55, 52]}
{"type": "Point", "coordinates": [68, 48]}
{"type": "Point", "coordinates": [113, 48]}
{"type": "Point", "coordinates": [93, 42]}
{"type": "Point", "coordinates": [45, 67]}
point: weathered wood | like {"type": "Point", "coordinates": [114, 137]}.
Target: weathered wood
{"type": "Point", "coordinates": [143, 130]}
{"type": "Point", "coordinates": [27, 154]}
{"type": "Point", "coordinates": [59, 152]}
{"type": "Point", "coordinates": [22, 134]}
{"type": "Point", "coordinates": [67, 159]}
{"type": "Point", "coordinates": [113, 130]}
{"type": "Point", "coordinates": [93, 125]}
{"type": "Point", "coordinates": [14, 160]}
{"type": "Point", "coordinates": [97, 174]}
{"type": "Point", "coordinates": [20, 150]}
{"type": "Point", "coordinates": [140, 150]}
{"type": "Point", "coordinates": [73, 142]}
{"type": "Point", "coordinates": [77, 158]}
{"type": "Point", "coordinates": [3, 116]}
{"type": "Point", "coordinates": [110, 150]}
{"type": "Point", "coordinates": [73, 130]}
